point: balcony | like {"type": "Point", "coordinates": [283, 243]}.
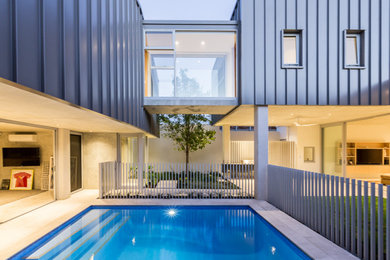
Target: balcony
{"type": "Point", "coordinates": [190, 71]}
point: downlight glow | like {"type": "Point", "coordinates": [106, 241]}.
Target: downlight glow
{"type": "Point", "coordinates": [171, 212]}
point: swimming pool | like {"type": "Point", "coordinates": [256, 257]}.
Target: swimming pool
{"type": "Point", "coordinates": [164, 232]}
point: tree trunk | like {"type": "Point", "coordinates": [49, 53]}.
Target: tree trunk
{"type": "Point", "coordinates": [187, 159]}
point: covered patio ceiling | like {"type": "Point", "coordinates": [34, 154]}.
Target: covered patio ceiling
{"type": "Point", "coordinates": [308, 115]}
{"type": "Point", "coordinates": [21, 104]}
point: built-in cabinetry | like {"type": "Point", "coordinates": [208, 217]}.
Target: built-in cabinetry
{"type": "Point", "coordinates": [352, 152]}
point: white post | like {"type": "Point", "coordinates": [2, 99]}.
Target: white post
{"type": "Point", "coordinates": [344, 150]}
{"type": "Point", "coordinates": [261, 152]}
{"type": "Point", "coordinates": [62, 169]}
{"type": "Point", "coordinates": [226, 143]}
{"type": "Point", "coordinates": [141, 160]}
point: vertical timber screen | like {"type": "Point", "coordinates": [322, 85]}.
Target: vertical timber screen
{"type": "Point", "coordinates": [175, 180]}
{"type": "Point", "coordinates": [352, 213]}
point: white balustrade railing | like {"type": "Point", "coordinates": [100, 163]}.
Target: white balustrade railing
{"type": "Point", "coordinates": [174, 180]}
{"type": "Point", "coordinates": [351, 213]}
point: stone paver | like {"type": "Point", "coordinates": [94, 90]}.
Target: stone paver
{"type": "Point", "coordinates": [19, 232]}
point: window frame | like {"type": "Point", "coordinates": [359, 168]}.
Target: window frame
{"type": "Point", "coordinates": [172, 47]}
{"type": "Point", "coordinates": [360, 45]}
{"type": "Point", "coordinates": [298, 34]}
{"type": "Point", "coordinates": [148, 93]}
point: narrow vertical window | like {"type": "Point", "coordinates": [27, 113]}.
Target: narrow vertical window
{"type": "Point", "coordinates": [351, 50]}
{"type": "Point", "coordinates": [291, 49]}
{"type": "Point", "coordinates": [354, 49]}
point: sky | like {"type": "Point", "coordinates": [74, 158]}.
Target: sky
{"type": "Point", "coordinates": [187, 9]}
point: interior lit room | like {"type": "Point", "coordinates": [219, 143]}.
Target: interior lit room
{"type": "Point", "coordinates": [26, 169]}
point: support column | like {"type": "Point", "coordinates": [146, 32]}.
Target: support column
{"type": "Point", "coordinates": [62, 168]}
{"type": "Point", "coordinates": [344, 150]}
{"type": "Point", "coordinates": [261, 152]}
{"type": "Point", "coordinates": [118, 148]}
{"type": "Point", "coordinates": [141, 160]}
{"type": "Point", "coordinates": [226, 143]}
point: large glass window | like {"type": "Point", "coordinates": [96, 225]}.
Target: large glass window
{"type": "Point", "coordinates": [201, 64]}
{"type": "Point", "coordinates": [160, 73]}
{"type": "Point", "coordinates": [332, 153]}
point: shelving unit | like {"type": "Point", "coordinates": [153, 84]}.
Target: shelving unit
{"type": "Point", "coordinates": [353, 146]}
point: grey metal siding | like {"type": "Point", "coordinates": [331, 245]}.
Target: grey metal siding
{"type": "Point", "coordinates": [86, 52]}
{"type": "Point", "coordinates": [246, 77]}
{"type": "Point", "coordinates": [323, 79]}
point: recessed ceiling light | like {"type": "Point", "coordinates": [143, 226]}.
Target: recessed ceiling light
{"type": "Point", "coordinates": [203, 42]}
{"type": "Point", "coordinates": [177, 42]}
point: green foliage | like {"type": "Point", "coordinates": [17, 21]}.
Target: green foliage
{"type": "Point", "coordinates": [188, 132]}
{"type": "Point", "coordinates": [190, 180]}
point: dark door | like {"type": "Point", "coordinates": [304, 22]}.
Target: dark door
{"type": "Point", "coordinates": [75, 162]}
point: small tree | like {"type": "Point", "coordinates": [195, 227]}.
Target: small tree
{"type": "Point", "coordinates": [187, 132]}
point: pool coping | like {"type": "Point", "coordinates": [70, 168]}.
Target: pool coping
{"type": "Point", "coordinates": [310, 242]}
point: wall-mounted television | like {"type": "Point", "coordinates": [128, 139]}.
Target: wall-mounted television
{"type": "Point", "coordinates": [369, 156]}
{"type": "Point", "coordinates": [21, 156]}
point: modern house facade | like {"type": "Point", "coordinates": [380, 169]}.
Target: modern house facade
{"type": "Point", "coordinates": [73, 70]}
{"type": "Point", "coordinates": [96, 69]}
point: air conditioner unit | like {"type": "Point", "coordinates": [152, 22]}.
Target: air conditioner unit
{"type": "Point", "coordinates": [23, 138]}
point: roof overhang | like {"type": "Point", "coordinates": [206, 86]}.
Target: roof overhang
{"type": "Point", "coordinates": [290, 115]}
{"type": "Point", "coordinates": [22, 104]}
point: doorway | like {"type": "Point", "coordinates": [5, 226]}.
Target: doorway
{"type": "Point", "coordinates": [75, 162]}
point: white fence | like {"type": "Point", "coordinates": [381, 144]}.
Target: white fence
{"type": "Point", "coordinates": [351, 213]}
{"type": "Point", "coordinates": [241, 150]}
{"type": "Point", "coordinates": [280, 153]}
{"type": "Point", "coordinates": [163, 180]}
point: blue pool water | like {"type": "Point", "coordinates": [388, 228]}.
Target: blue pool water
{"type": "Point", "coordinates": [159, 232]}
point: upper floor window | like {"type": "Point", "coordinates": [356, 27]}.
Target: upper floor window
{"type": "Point", "coordinates": [353, 49]}
{"type": "Point", "coordinates": [159, 40]}
{"type": "Point", "coordinates": [196, 64]}
{"type": "Point", "coordinates": [291, 49]}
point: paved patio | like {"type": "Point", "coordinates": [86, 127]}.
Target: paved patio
{"type": "Point", "coordinates": [19, 232]}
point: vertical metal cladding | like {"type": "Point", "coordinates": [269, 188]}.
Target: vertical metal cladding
{"type": "Point", "coordinates": [86, 52]}
{"type": "Point", "coordinates": [323, 79]}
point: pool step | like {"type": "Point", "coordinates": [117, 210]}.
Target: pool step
{"type": "Point", "coordinates": [68, 232]}
{"type": "Point", "coordinates": [85, 237]}
{"type": "Point", "coordinates": [97, 242]}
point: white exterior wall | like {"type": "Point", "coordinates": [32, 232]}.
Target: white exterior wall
{"type": "Point", "coordinates": [261, 152]}
{"type": "Point", "coordinates": [163, 150]}
{"type": "Point", "coordinates": [62, 164]}
{"type": "Point", "coordinates": [304, 136]}
{"type": "Point", "coordinates": [97, 148]}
